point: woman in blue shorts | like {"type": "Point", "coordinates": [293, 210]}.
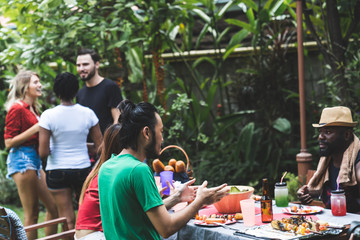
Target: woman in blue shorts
{"type": "Point", "coordinates": [21, 137]}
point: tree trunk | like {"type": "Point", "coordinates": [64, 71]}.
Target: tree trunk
{"type": "Point", "coordinates": [338, 48]}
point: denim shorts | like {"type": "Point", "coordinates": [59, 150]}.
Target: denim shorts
{"type": "Point", "coordinates": [23, 158]}
{"type": "Point", "coordinates": [67, 178]}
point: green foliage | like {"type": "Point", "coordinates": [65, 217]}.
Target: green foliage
{"type": "Point", "coordinates": [3, 156]}
{"type": "Point", "coordinates": [235, 145]}
{"type": "Point", "coordinates": [333, 90]}
{"type": "Point", "coordinates": [252, 154]}
{"type": "Point", "coordinates": [334, 39]}
{"type": "Point", "coordinates": [233, 127]}
{"type": "Point", "coordinates": [8, 191]}
{"type": "Point", "coordinates": [3, 96]}
{"type": "Point", "coordinates": [292, 182]}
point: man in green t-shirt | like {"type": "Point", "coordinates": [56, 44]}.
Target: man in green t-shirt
{"type": "Point", "coordinates": [130, 204]}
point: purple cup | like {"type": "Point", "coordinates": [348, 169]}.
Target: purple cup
{"type": "Point", "coordinates": [166, 176]}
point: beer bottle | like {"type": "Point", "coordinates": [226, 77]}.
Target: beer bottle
{"type": "Point", "coordinates": [266, 203]}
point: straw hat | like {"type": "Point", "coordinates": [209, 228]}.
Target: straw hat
{"type": "Point", "coordinates": [336, 116]}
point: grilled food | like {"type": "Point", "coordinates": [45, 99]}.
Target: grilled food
{"type": "Point", "coordinates": [299, 225]}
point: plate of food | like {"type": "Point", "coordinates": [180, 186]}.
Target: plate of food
{"type": "Point", "coordinates": [214, 222]}
{"type": "Point", "coordinates": [303, 210]}
{"type": "Point", "coordinates": [295, 227]}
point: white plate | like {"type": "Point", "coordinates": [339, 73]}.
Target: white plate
{"type": "Point", "coordinates": [204, 224]}
{"type": "Point", "coordinates": [305, 210]}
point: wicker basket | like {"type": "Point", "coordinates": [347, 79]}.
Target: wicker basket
{"type": "Point", "coordinates": [189, 170]}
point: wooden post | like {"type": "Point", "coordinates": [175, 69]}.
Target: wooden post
{"type": "Point", "coordinates": [303, 158]}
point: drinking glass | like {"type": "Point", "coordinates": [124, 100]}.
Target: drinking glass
{"type": "Point", "coordinates": [248, 211]}
{"type": "Point", "coordinates": [281, 194]}
{"type": "Point", "coordinates": [338, 203]}
{"type": "Point", "coordinates": [164, 177]}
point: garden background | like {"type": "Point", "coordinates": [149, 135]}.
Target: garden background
{"type": "Point", "coordinates": [223, 73]}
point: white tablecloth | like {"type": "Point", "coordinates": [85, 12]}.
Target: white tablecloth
{"type": "Point", "coordinates": [192, 231]}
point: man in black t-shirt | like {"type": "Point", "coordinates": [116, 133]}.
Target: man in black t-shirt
{"type": "Point", "coordinates": [100, 94]}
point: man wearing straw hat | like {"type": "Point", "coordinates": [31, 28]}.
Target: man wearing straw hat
{"type": "Point", "coordinates": [339, 165]}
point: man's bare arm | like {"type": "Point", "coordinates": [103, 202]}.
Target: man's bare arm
{"type": "Point", "coordinates": [166, 224]}
{"type": "Point", "coordinates": [115, 113]}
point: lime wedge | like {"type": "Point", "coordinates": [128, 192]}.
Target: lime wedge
{"type": "Point", "coordinates": [234, 189]}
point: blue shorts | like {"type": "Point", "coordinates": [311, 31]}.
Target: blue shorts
{"type": "Point", "coordinates": [23, 158]}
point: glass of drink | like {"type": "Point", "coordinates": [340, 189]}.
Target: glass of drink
{"type": "Point", "coordinates": [338, 203]}
{"type": "Point", "coordinates": [248, 211]}
{"type": "Point", "coordinates": [281, 194]}
{"type": "Point", "coordinates": [166, 176]}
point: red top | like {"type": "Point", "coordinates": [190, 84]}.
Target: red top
{"type": "Point", "coordinates": [18, 120]}
{"type": "Point", "coordinates": [88, 216]}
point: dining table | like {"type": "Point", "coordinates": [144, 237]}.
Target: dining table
{"type": "Point", "coordinates": [237, 230]}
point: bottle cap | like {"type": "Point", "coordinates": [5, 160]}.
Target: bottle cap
{"type": "Point", "coordinates": [282, 184]}
{"type": "Point", "coordinates": [339, 191]}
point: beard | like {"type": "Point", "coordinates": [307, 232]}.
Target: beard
{"type": "Point", "coordinates": [338, 145]}
{"type": "Point", "coordinates": [150, 150]}
{"type": "Point", "coordinates": [89, 76]}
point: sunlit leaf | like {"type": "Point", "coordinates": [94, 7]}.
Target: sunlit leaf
{"type": "Point", "coordinates": [71, 2]}
{"type": "Point", "coordinates": [118, 44]}
{"type": "Point", "coordinates": [224, 9]}
{"type": "Point", "coordinates": [252, 4]}
{"type": "Point", "coordinates": [241, 24]}
{"type": "Point", "coordinates": [282, 125]}
{"type": "Point", "coordinates": [202, 59]}
{"type": "Point", "coordinates": [203, 15]}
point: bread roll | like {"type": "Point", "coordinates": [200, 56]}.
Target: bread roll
{"type": "Point", "coordinates": [172, 162]}
{"type": "Point", "coordinates": [169, 168]}
{"type": "Point", "coordinates": [158, 166]}
{"type": "Point", "coordinates": [180, 166]}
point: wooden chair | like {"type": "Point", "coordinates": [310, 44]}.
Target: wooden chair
{"type": "Point", "coordinates": [64, 234]}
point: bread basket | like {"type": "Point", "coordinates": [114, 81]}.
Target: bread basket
{"type": "Point", "coordinates": [189, 170]}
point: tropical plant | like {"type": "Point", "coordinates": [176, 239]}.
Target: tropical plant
{"type": "Point", "coordinates": [332, 25]}
{"type": "Point", "coordinates": [239, 120]}
{"type": "Point", "coordinates": [293, 184]}
{"type": "Point", "coordinates": [8, 191]}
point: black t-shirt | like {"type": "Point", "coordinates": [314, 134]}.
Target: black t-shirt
{"type": "Point", "coordinates": [101, 98]}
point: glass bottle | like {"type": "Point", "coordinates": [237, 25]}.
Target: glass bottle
{"type": "Point", "coordinates": [266, 203]}
{"type": "Point", "coordinates": [338, 202]}
{"type": "Point", "coordinates": [281, 194]}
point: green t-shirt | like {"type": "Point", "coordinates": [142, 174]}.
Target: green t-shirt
{"type": "Point", "coordinates": [127, 190]}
